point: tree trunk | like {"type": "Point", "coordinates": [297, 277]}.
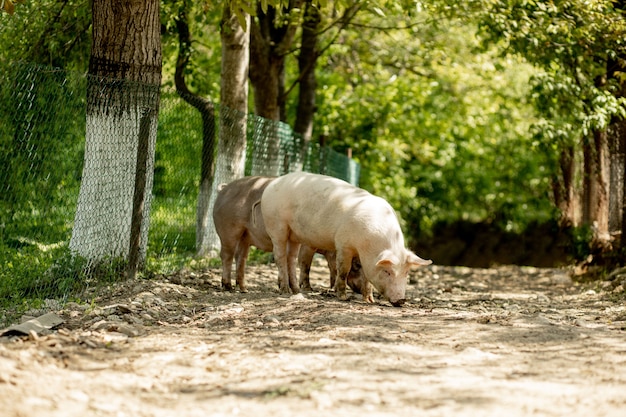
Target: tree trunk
{"type": "Point", "coordinates": [269, 45]}
{"type": "Point", "coordinates": [596, 193]}
{"type": "Point", "coordinates": [112, 213]}
{"type": "Point", "coordinates": [207, 111]}
{"type": "Point", "coordinates": [231, 148]}
{"type": "Point", "coordinates": [563, 187]}
{"type": "Point", "coordinates": [616, 69]}
{"type": "Point", "coordinates": [307, 61]}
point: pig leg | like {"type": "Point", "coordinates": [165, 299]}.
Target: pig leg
{"type": "Point", "coordinates": [226, 255]}
{"type": "Point", "coordinates": [241, 256]}
{"type": "Point", "coordinates": [332, 266]}
{"type": "Point", "coordinates": [281, 244]}
{"type": "Point", "coordinates": [292, 255]}
{"type": "Point", "coordinates": [367, 291]}
{"type": "Point", "coordinates": [280, 255]}
{"type": "Point", "coordinates": [305, 258]}
{"type": "Point", "coordinates": [344, 263]}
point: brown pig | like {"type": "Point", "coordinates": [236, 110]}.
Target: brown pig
{"type": "Point", "coordinates": [239, 224]}
{"type": "Point", "coordinates": [330, 214]}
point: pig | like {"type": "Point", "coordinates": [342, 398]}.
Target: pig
{"type": "Point", "coordinates": [327, 213]}
{"type": "Point", "coordinates": [239, 224]}
{"type": "Point", "coordinates": [356, 282]}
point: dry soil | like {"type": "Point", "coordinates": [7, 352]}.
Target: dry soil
{"type": "Point", "coordinates": [512, 341]}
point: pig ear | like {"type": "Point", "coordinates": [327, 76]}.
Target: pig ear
{"type": "Point", "coordinates": [385, 263]}
{"type": "Point", "coordinates": [413, 259]}
{"type": "Point", "coordinates": [387, 260]}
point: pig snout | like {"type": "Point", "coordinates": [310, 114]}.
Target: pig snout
{"type": "Point", "coordinates": [394, 292]}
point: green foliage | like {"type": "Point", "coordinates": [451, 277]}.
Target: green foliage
{"type": "Point", "coordinates": [456, 115]}
{"type": "Point", "coordinates": [38, 272]}
{"type": "Point", "coordinates": [9, 5]}
{"type": "Point", "coordinates": [439, 123]}
{"type": "Point", "coordinates": [48, 32]}
{"type": "Point", "coordinates": [573, 42]}
{"type": "Point", "coordinates": [581, 240]}
{"type": "Point", "coordinates": [41, 149]}
{"type": "Point", "coordinates": [202, 74]}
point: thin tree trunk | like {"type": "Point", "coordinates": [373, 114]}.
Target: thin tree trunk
{"type": "Point", "coordinates": [207, 112]}
{"type": "Point", "coordinates": [563, 187]}
{"type": "Point", "coordinates": [122, 96]}
{"type": "Point", "coordinates": [231, 149]}
{"type": "Point", "coordinates": [307, 61]}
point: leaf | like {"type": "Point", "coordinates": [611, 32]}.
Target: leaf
{"type": "Point", "coordinates": [247, 8]}
{"type": "Point", "coordinates": [378, 11]}
{"type": "Point", "coordinates": [242, 19]}
{"type": "Point", "coordinates": [8, 6]}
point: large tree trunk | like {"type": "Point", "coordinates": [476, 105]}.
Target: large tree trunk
{"type": "Point", "coordinates": [231, 150]}
{"type": "Point", "coordinates": [207, 111]}
{"type": "Point", "coordinates": [307, 60]}
{"type": "Point", "coordinates": [112, 214]}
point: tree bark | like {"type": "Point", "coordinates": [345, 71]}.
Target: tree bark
{"type": "Point", "coordinates": [307, 61]}
{"type": "Point", "coordinates": [615, 68]}
{"type": "Point", "coordinates": [112, 214]}
{"type": "Point", "coordinates": [596, 192]}
{"type": "Point", "coordinates": [207, 112]}
{"type": "Point", "coordinates": [231, 150]}
{"type": "Point", "coordinates": [270, 43]}
{"type": "Point", "coordinates": [564, 188]}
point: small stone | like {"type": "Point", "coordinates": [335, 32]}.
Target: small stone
{"type": "Point", "coordinates": [297, 297]}
{"type": "Point", "coordinates": [114, 317]}
{"type": "Point", "coordinates": [127, 330]}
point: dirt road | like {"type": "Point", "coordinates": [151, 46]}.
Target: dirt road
{"type": "Point", "coordinates": [470, 342]}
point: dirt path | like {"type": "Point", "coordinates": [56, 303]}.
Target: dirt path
{"type": "Point", "coordinates": [481, 342]}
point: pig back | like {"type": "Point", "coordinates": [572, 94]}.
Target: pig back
{"type": "Point", "coordinates": [322, 211]}
{"type": "Point", "coordinates": [236, 211]}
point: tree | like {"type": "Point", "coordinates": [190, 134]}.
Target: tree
{"type": "Point", "coordinates": [48, 32]}
{"type": "Point", "coordinates": [573, 41]}
{"type": "Point", "coordinates": [271, 37]}
{"type": "Point", "coordinates": [307, 61]}
{"type": "Point", "coordinates": [438, 121]}
{"type": "Point", "coordinates": [233, 113]}
{"type": "Point", "coordinates": [122, 105]}
{"type": "Point", "coordinates": [308, 56]}
{"type": "Point", "coordinates": [207, 110]}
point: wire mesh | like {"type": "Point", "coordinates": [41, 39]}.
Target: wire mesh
{"type": "Point", "coordinates": [67, 178]}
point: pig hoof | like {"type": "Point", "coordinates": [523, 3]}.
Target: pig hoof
{"type": "Point", "coordinates": [227, 287]}
{"type": "Point", "coordinates": [398, 303]}
{"type": "Point", "coordinates": [368, 299]}
{"type": "Point", "coordinates": [243, 290]}
{"type": "Point", "coordinates": [342, 296]}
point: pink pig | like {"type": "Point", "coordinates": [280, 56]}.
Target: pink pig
{"type": "Point", "coordinates": [326, 213]}
{"type": "Point", "coordinates": [239, 224]}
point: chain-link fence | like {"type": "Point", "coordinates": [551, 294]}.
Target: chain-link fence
{"type": "Point", "coordinates": [53, 175]}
